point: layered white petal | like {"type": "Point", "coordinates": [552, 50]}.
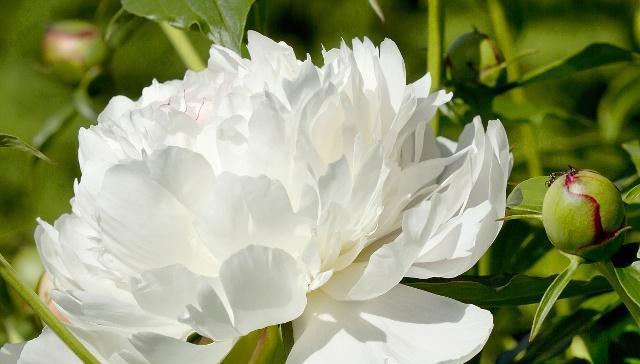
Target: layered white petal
{"type": "Point", "coordinates": [405, 325]}
{"type": "Point", "coordinates": [216, 203]}
{"type": "Point", "coordinates": [256, 287]}
{"type": "Point", "coordinates": [158, 349]}
{"type": "Point", "coordinates": [46, 347]}
{"type": "Point", "coordinates": [473, 194]}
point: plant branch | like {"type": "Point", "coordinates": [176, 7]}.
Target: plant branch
{"type": "Point", "coordinates": [504, 39]}
{"type": "Point", "coordinates": [183, 47]}
{"type": "Point", "coordinates": [434, 53]}
{"type": "Point", "coordinates": [11, 277]}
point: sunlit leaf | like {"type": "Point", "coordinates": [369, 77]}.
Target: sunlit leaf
{"type": "Point", "coordinates": [222, 20]}
{"type": "Point", "coordinates": [552, 294]}
{"type": "Point", "coordinates": [503, 289]}
{"type": "Point", "coordinates": [528, 195]}
{"type": "Point", "coordinates": [263, 346]}
{"type": "Point", "coordinates": [10, 141]}
{"type": "Point", "coordinates": [629, 279]}
{"type": "Point", "coordinates": [633, 148]}
{"type": "Point", "coordinates": [632, 196]}
{"type": "Point", "coordinates": [592, 56]}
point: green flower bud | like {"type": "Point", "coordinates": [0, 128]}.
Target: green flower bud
{"type": "Point", "coordinates": [474, 58]}
{"type": "Point", "coordinates": [71, 47]}
{"type": "Point", "coordinates": [583, 214]}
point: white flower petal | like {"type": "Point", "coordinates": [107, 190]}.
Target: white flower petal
{"type": "Point", "coordinates": [259, 286]}
{"type": "Point", "coordinates": [242, 210]}
{"type": "Point", "coordinates": [158, 349]}
{"type": "Point", "coordinates": [34, 351]}
{"type": "Point", "coordinates": [10, 353]}
{"type": "Point", "coordinates": [405, 326]}
{"type": "Point", "coordinates": [167, 291]}
{"type": "Point", "coordinates": [110, 312]}
{"type": "Point", "coordinates": [144, 224]}
{"type": "Point", "coordinates": [392, 66]}
{"type": "Point", "coordinates": [473, 198]}
{"type": "Point", "coordinates": [264, 286]}
{"type": "Point", "coordinates": [214, 203]}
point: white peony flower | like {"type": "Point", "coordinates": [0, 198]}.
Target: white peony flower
{"type": "Point", "coordinates": [266, 190]}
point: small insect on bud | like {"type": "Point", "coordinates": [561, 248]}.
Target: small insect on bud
{"type": "Point", "coordinates": [583, 214]}
{"type": "Point", "coordinates": [475, 58]}
{"type": "Point", "coordinates": [71, 47]}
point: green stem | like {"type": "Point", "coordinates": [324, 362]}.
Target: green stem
{"type": "Point", "coordinates": [484, 264]}
{"type": "Point", "coordinates": [608, 271]}
{"type": "Point", "coordinates": [505, 42]}
{"type": "Point", "coordinates": [11, 277]}
{"type": "Point", "coordinates": [183, 46]}
{"type": "Point", "coordinates": [530, 148]}
{"type": "Point", "coordinates": [434, 53]}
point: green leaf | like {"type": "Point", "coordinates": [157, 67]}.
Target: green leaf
{"type": "Point", "coordinates": [592, 56]}
{"type": "Point", "coordinates": [522, 217]}
{"type": "Point", "coordinates": [528, 195]}
{"type": "Point", "coordinates": [633, 148]}
{"type": "Point", "coordinates": [558, 335]}
{"type": "Point", "coordinates": [262, 346]}
{"type": "Point", "coordinates": [286, 331]}
{"type": "Point", "coordinates": [552, 294]}
{"type": "Point", "coordinates": [10, 141]}
{"type": "Point", "coordinates": [53, 125]}
{"type": "Point", "coordinates": [120, 28]}
{"type": "Point", "coordinates": [600, 339]}
{"type": "Point", "coordinates": [629, 279]}
{"type": "Point", "coordinates": [619, 103]}
{"type": "Point", "coordinates": [222, 20]}
{"type": "Point", "coordinates": [626, 282]}
{"type": "Point", "coordinates": [504, 289]}
{"type": "Point", "coordinates": [632, 196]}
{"type": "Point", "coordinates": [625, 346]}
{"type": "Point", "coordinates": [81, 98]}
{"type": "Point", "coordinates": [518, 246]}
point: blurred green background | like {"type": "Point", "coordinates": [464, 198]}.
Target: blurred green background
{"type": "Point", "coordinates": [561, 121]}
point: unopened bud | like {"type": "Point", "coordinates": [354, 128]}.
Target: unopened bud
{"type": "Point", "coordinates": [71, 47]}
{"type": "Point", "coordinates": [475, 58]}
{"type": "Point", "coordinates": [583, 214]}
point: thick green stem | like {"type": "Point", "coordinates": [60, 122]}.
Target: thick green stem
{"type": "Point", "coordinates": [608, 271]}
{"type": "Point", "coordinates": [504, 39]}
{"type": "Point", "coordinates": [530, 148]}
{"type": "Point", "coordinates": [11, 277]}
{"type": "Point", "coordinates": [434, 53]}
{"type": "Point", "coordinates": [183, 46]}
